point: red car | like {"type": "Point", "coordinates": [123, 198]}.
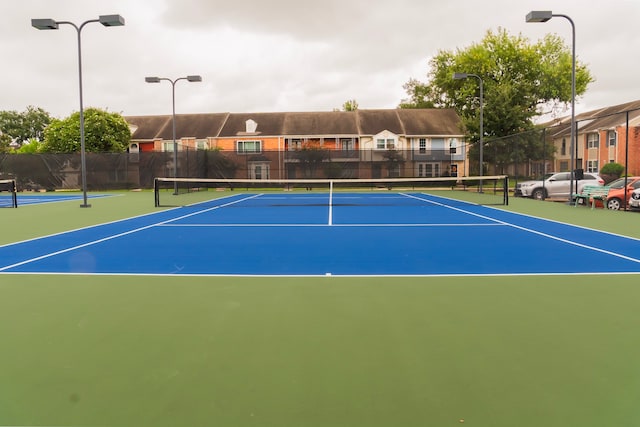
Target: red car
{"type": "Point", "coordinates": [616, 193]}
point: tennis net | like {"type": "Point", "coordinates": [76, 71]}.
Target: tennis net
{"type": "Point", "coordinates": [8, 193]}
{"type": "Point", "coordinates": [486, 190]}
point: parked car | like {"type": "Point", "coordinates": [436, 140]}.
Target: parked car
{"type": "Point", "coordinates": [634, 201]}
{"type": "Point", "coordinates": [556, 185]}
{"type": "Point", "coordinates": [617, 191]}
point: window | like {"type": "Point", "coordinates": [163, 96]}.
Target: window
{"type": "Point", "coordinates": [563, 147]}
{"type": "Point", "coordinates": [201, 145]}
{"type": "Point", "coordinates": [592, 140]}
{"type": "Point", "coordinates": [347, 144]}
{"type": "Point", "coordinates": [385, 144]}
{"type": "Point", "coordinates": [394, 171]}
{"type": "Point", "coordinates": [251, 126]}
{"type": "Point", "coordinates": [612, 136]}
{"type": "Point", "coordinates": [294, 144]}
{"type": "Point", "coordinates": [249, 146]}
{"type": "Point", "coordinates": [259, 170]}
{"type": "Point", "coordinates": [453, 146]}
{"type": "Point", "coordinates": [592, 166]}
{"type": "Point", "coordinates": [168, 146]}
{"type": "Point", "coordinates": [422, 145]}
{"type": "Point", "coordinates": [437, 145]}
{"type": "Point", "coordinates": [428, 170]}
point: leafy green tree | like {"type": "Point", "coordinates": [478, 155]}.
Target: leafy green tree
{"type": "Point", "coordinates": [393, 159]}
{"type": "Point", "coordinates": [5, 140]}
{"type": "Point", "coordinates": [104, 132]}
{"type": "Point", "coordinates": [419, 95]}
{"type": "Point", "coordinates": [350, 105]}
{"type": "Point", "coordinates": [218, 165]}
{"type": "Point", "coordinates": [311, 156]}
{"type": "Point", "coordinates": [21, 127]}
{"type": "Point", "coordinates": [31, 147]}
{"type": "Point", "coordinates": [521, 80]}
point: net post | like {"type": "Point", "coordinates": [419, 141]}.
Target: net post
{"type": "Point", "coordinates": [156, 192]}
{"type": "Point", "coordinates": [10, 186]}
{"type": "Point", "coordinates": [14, 193]}
{"type": "Point", "coordinates": [506, 191]}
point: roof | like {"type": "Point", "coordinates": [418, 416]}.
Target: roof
{"type": "Point", "coordinates": [322, 123]}
{"type": "Point", "coordinates": [607, 118]}
{"type": "Point", "coordinates": [198, 126]}
{"type": "Point", "coordinates": [407, 122]}
{"type": "Point", "coordinates": [430, 122]}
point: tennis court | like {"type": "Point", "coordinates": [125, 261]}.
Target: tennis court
{"type": "Point", "coordinates": [219, 312]}
{"type": "Point", "coordinates": [318, 234]}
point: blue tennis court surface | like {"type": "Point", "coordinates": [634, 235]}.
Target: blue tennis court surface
{"type": "Point", "coordinates": [315, 234]}
{"type": "Point", "coordinates": [33, 199]}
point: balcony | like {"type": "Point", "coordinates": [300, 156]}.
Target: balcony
{"type": "Point", "coordinates": [432, 155]}
{"type": "Point", "coordinates": [337, 155]}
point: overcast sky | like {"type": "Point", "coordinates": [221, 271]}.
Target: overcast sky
{"type": "Point", "coordinates": [283, 55]}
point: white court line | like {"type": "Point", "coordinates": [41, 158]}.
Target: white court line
{"type": "Point", "coordinates": [57, 273]}
{"type": "Point", "coordinates": [114, 236]}
{"type": "Point", "coordinates": [334, 225]}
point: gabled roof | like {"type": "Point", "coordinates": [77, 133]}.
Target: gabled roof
{"type": "Point", "coordinates": [146, 127]}
{"type": "Point", "coordinates": [269, 124]}
{"type": "Point", "coordinates": [409, 122]}
{"type": "Point", "coordinates": [199, 126]}
{"type": "Point", "coordinates": [612, 117]}
{"type": "Point", "coordinates": [372, 122]}
{"type": "Point", "coordinates": [436, 121]}
{"type": "Point", "coordinates": [607, 118]}
{"type": "Point", "coordinates": [321, 123]}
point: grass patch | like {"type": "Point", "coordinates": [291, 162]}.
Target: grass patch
{"type": "Point", "coordinates": [199, 351]}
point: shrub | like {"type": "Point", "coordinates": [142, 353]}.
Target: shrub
{"type": "Point", "coordinates": [613, 169]}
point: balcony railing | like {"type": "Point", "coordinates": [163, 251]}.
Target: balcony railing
{"type": "Point", "coordinates": [294, 155]}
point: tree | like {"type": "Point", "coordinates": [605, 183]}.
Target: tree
{"type": "Point", "coordinates": [350, 105]}
{"type": "Point", "coordinates": [31, 147]}
{"type": "Point", "coordinates": [104, 132]}
{"type": "Point", "coordinates": [22, 127]}
{"type": "Point", "coordinates": [311, 155]}
{"type": "Point", "coordinates": [393, 159]}
{"type": "Point", "coordinates": [5, 140]}
{"type": "Point", "coordinates": [521, 80]}
{"type": "Point", "coordinates": [218, 165]}
{"type": "Point", "coordinates": [419, 96]}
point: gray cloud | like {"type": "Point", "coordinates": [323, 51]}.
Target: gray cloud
{"type": "Point", "coordinates": [281, 55]}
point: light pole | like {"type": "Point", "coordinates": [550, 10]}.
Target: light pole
{"type": "Point", "coordinates": [544, 16]}
{"type": "Point", "coordinates": [51, 24]}
{"type": "Point", "coordinates": [173, 103]}
{"type": "Point", "coordinates": [461, 76]}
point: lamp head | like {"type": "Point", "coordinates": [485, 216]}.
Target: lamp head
{"type": "Point", "coordinates": [194, 78]}
{"type": "Point", "coordinates": [152, 79]}
{"type": "Point", "coordinates": [460, 76]}
{"type": "Point", "coordinates": [539, 16]}
{"type": "Point", "coordinates": [44, 24]}
{"type": "Point", "coordinates": [111, 20]}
